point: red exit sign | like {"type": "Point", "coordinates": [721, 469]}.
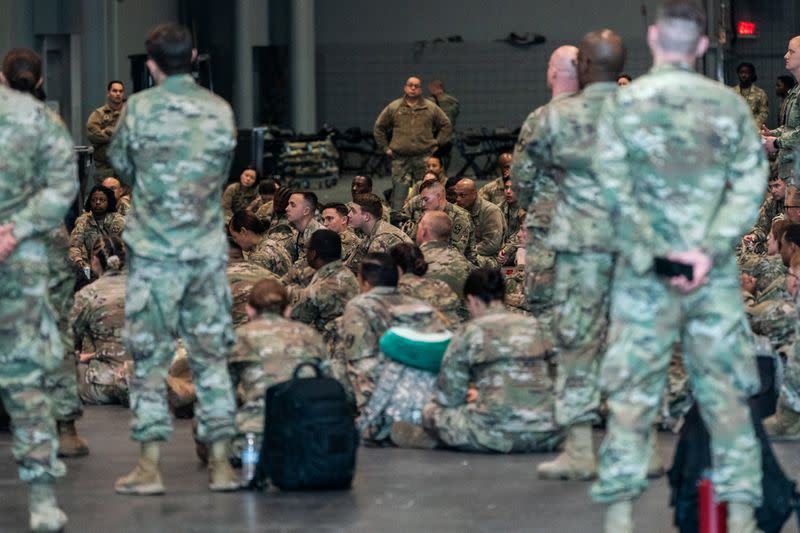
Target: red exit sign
{"type": "Point", "coordinates": [746, 29]}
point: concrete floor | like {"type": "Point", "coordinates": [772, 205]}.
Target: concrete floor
{"type": "Point", "coordinates": [394, 490]}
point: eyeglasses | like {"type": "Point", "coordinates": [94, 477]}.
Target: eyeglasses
{"type": "Point", "coordinates": [791, 206]}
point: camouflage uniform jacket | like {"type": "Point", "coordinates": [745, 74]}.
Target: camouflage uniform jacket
{"type": "Point", "coordinates": [462, 234]}
{"type": "Point", "coordinates": [265, 211]}
{"type": "Point", "coordinates": [266, 352]}
{"type": "Point", "coordinates": [366, 318]}
{"type": "Point", "coordinates": [87, 230]}
{"type": "Point", "coordinates": [756, 99]}
{"type": "Point", "coordinates": [242, 276]}
{"type": "Point", "coordinates": [703, 200]}
{"type": "Point", "coordinates": [281, 231]}
{"type": "Point", "coordinates": [770, 208]}
{"type": "Point", "coordinates": [494, 191]}
{"type": "Point", "coordinates": [789, 134]}
{"type": "Point", "coordinates": [98, 316]}
{"type": "Point", "coordinates": [99, 128]}
{"type": "Point", "coordinates": [319, 304]}
{"type": "Point", "coordinates": [381, 239]}
{"type": "Point", "coordinates": [237, 198]}
{"type": "Point", "coordinates": [514, 218]}
{"type": "Point", "coordinates": [489, 227]}
{"type": "Point", "coordinates": [447, 264]}
{"type": "Point", "coordinates": [580, 220]}
{"type": "Point", "coordinates": [176, 211]}
{"type": "Point", "coordinates": [297, 246]}
{"type": "Point", "coordinates": [449, 104]}
{"type": "Point", "coordinates": [270, 255]}
{"type": "Point", "coordinates": [506, 358]}
{"type": "Point", "coordinates": [435, 293]}
{"type": "Point", "coordinates": [516, 300]}
{"type": "Point", "coordinates": [415, 130]}
{"type": "Point", "coordinates": [350, 242]}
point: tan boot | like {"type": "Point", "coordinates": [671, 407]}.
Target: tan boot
{"type": "Point", "coordinates": [408, 435]}
{"type": "Point", "coordinates": [70, 444]}
{"type": "Point", "coordinates": [783, 425]}
{"type": "Point", "coordinates": [145, 478]}
{"type": "Point", "coordinates": [655, 465]}
{"type": "Point", "coordinates": [741, 518]}
{"type": "Point", "coordinates": [577, 461]}
{"type": "Point", "coordinates": [44, 514]}
{"type": "Point", "coordinates": [221, 477]}
{"type": "Point", "coordinates": [619, 517]}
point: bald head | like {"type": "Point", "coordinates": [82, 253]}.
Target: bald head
{"type": "Point", "coordinates": [434, 226]}
{"type": "Point", "coordinates": [561, 74]}
{"type": "Point", "coordinates": [466, 193]}
{"type": "Point", "coordinates": [601, 56]}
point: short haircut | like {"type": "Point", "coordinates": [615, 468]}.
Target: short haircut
{"type": "Point", "coordinates": [326, 244]}
{"type": "Point", "coordinates": [788, 81]}
{"type": "Point", "coordinates": [379, 270]}
{"type": "Point", "coordinates": [267, 187]}
{"type": "Point", "coordinates": [339, 207]}
{"type": "Point", "coordinates": [112, 82]}
{"type": "Point", "coordinates": [437, 83]}
{"type": "Point", "coordinates": [310, 198]}
{"type": "Point", "coordinates": [751, 66]}
{"type": "Point", "coordinates": [430, 184]}
{"type": "Point", "coordinates": [792, 234]}
{"type": "Point", "coordinates": [439, 224]}
{"type": "Point", "coordinates": [268, 295]}
{"type": "Point", "coordinates": [247, 220]}
{"type": "Point", "coordinates": [681, 23]}
{"type": "Point", "coordinates": [368, 179]}
{"type": "Point", "coordinates": [436, 157]}
{"type": "Point", "coordinates": [370, 203]}
{"type": "Point", "coordinates": [451, 182]}
{"type": "Point", "coordinates": [112, 200]}
{"type": "Point", "coordinates": [409, 258]}
{"type": "Point", "coordinates": [486, 284]}
{"type": "Point", "coordinates": [170, 46]}
{"type": "Point", "coordinates": [626, 76]}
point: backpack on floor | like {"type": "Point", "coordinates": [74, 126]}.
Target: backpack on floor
{"type": "Point", "coordinates": [309, 440]}
{"type": "Point", "coordinates": [693, 456]}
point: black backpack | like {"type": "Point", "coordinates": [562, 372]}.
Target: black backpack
{"type": "Point", "coordinates": [310, 439]}
{"type": "Point", "coordinates": [693, 456]}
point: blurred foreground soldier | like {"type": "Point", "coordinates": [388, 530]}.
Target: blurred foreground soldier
{"type": "Point", "coordinates": [532, 176]}
{"type": "Point", "coordinates": [754, 95]}
{"type": "Point", "coordinates": [101, 125]}
{"type": "Point", "coordinates": [785, 139]}
{"type": "Point", "coordinates": [683, 194]}
{"type": "Point", "coordinates": [178, 251]}
{"type": "Point", "coordinates": [494, 392]}
{"type": "Point", "coordinates": [39, 183]}
{"type": "Point", "coordinates": [417, 127]}
{"type": "Point", "coordinates": [581, 236]}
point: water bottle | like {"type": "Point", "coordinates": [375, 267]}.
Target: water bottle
{"type": "Point", "coordinates": [249, 459]}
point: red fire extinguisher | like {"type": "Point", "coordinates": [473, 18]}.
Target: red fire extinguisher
{"type": "Point", "coordinates": [713, 516]}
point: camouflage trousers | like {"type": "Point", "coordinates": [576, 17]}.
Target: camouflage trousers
{"type": "Point", "coordinates": [462, 428]}
{"type": "Point", "coordinates": [790, 388]}
{"type": "Point", "coordinates": [30, 348]}
{"type": "Point", "coordinates": [580, 324]}
{"type": "Point", "coordinates": [105, 381]}
{"type": "Point", "coordinates": [191, 299]}
{"type": "Point", "coordinates": [539, 286]}
{"type": "Point", "coordinates": [406, 169]}
{"type": "Point", "coordinates": [647, 317]}
{"type": "Point", "coordinates": [252, 382]}
{"type": "Point", "coordinates": [62, 382]}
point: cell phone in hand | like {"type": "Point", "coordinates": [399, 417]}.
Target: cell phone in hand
{"type": "Point", "coordinates": [672, 269]}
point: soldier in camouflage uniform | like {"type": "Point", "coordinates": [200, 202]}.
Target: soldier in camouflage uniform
{"type": "Point", "coordinates": [366, 317]}
{"type": "Point", "coordinates": [331, 286]}
{"type": "Point", "coordinates": [242, 276]}
{"type": "Point", "coordinates": [488, 224]}
{"type": "Point", "coordinates": [580, 233]}
{"type": "Point", "coordinates": [494, 191]}
{"type": "Point", "coordinates": [785, 139]}
{"type": "Point", "coordinates": [435, 292]}
{"type": "Point", "coordinates": [251, 235]}
{"type": "Point", "coordinates": [433, 170]}
{"type": "Point", "coordinates": [514, 218]}
{"type": "Point", "coordinates": [416, 128]}
{"type": "Point", "coordinates": [494, 392]}
{"type": "Point", "coordinates": [177, 249]}
{"type": "Point", "coordinates": [101, 125]}
{"type": "Point", "coordinates": [772, 206]}
{"type": "Point", "coordinates": [123, 200]}
{"type": "Point", "coordinates": [267, 350]}
{"type": "Point", "coordinates": [238, 196]}
{"type": "Point", "coordinates": [300, 212]}
{"type": "Point", "coordinates": [99, 219]}
{"type": "Point", "coordinates": [683, 191]}
{"type": "Point", "coordinates": [432, 198]}
{"type": "Point", "coordinates": [97, 319]}
{"type": "Point", "coordinates": [279, 229]}
{"type": "Point", "coordinates": [38, 183]}
{"type": "Point", "coordinates": [754, 95]}
{"type": "Point", "coordinates": [336, 217]}
{"type": "Point", "coordinates": [379, 236]}
{"type": "Point", "coordinates": [445, 263]}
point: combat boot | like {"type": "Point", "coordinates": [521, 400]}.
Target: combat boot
{"type": "Point", "coordinates": [44, 514]}
{"type": "Point", "coordinates": [741, 518]}
{"type": "Point", "coordinates": [408, 435]}
{"type": "Point", "coordinates": [70, 444]}
{"type": "Point", "coordinates": [145, 478]}
{"type": "Point", "coordinates": [655, 465]}
{"type": "Point", "coordinates": [577, 461]}
{"type": "Point", "coordinates": [221, 477]}
{"type": "Point", "coordinates": [619, 517]}
{"type": "Point", "coordinates": [783, 425]}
